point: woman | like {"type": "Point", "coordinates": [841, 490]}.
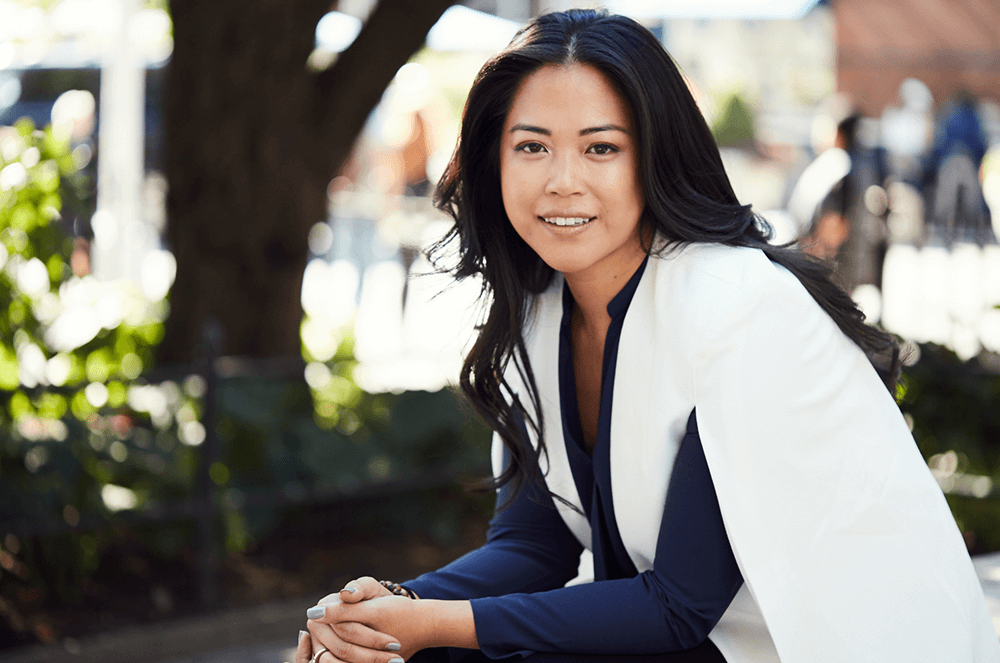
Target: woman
{"type": "Point", "coordinates": [690, 404]}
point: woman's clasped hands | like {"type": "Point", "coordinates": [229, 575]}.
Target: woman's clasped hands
{"type": "Point", "coordinates": [354, 626]}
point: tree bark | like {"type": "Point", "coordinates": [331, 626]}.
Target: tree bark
{"type": "Point", "coordinates": [253, 139]}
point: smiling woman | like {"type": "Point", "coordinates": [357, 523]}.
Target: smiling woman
{"type": "Point", "coordinates": [702, 411]}
{"type": "Point", "coordinates": [569, 175]}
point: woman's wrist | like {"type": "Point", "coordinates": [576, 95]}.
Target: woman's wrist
{"type": "Point", "coordinates": [450, 623]}
{"type": "Point", "coordinates": [397, 589]}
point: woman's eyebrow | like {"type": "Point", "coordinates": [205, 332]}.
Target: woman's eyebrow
{"type": "Point", "coordinates": [606, 127]}
{"type": "Point", "coordinates": [583, 132]}
{"type": "Point", "coordinates": [531, 128]}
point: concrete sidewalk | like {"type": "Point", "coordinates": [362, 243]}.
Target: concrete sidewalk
{"type": "Point", "coordinates": [273, 653]}
{"type": "Point", "coordinates": [266, 634]}
{"type": "Point", "coordinates": [262, 634]}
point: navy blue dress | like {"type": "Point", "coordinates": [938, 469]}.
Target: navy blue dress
{"type": "Point", "coordinates": [516, 580]}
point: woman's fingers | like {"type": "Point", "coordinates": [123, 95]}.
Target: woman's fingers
{"type": "Point", "coordinates": [329, 599]}
{"type": "Point", "coordinates": [340, 649]}
{"type": "Point", "coordinates": [356, 591]}
{"type": "Point", "coordinates": [362, 589]}
{"type": "Point", "coordinates": [304, 650]}
{"type": "Point", "coordinates": [350, 641]}
{"type": "Point", "coordinates": [363, 636]}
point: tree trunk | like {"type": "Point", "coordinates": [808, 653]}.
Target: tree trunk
{"type": "Point", "coordinates": [253, 140]}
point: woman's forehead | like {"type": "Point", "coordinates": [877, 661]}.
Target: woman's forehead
{"type": "Point", "coordinates": [560, 97]}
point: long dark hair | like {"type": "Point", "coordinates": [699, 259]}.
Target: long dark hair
{"type": "Point", "coordinates": [687, 194]}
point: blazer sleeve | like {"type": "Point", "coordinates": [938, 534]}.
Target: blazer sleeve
{"type": "Point", "coordinates": [841, 533]}
{"type": "Point", "coordinates": [516, 580]}
{"type": "Point", "coordinates": [529, 549]}
{"type": "Point", "coordinates": [669, 608]}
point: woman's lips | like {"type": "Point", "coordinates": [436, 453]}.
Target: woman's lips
{"type": "Point", "coordinates": [567, 220]}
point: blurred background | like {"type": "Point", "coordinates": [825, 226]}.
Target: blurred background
{"type": "Point", "coordinates": [226, 367]}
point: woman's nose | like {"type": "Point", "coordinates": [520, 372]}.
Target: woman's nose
{"type": "Point", "coordinates": [565, 178]}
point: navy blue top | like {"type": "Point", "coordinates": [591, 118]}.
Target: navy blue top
{"type": "Point", "coordinates": [516, 580]}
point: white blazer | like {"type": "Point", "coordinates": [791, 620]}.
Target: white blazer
{"type": "Point", "coordinates": [847, 547]}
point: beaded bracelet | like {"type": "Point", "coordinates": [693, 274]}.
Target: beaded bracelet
{"type": "Point", "coordinates": [395, 588]}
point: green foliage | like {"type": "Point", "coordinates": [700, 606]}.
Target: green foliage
{"type": "Point", "coordinates": [951, 405]}
{"type": "Point", "coordinates": [953, 408]}
{"type": "Point", "coordinates": [68, 440]}
{"type": "Point", "coordinates": [63, 365]}
{"type": "Point", "coordinates": [735, 125]}
{"type": "Point", "coordinates": [284, 437]}
{"type": "Point", "coordinates": [86, 440]}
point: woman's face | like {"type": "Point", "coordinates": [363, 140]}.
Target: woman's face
{"type": "Point", "coordinates": [569, 173]}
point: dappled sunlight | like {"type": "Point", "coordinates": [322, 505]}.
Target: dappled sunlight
{"type": "Point", "coordinates": [948, 297]}
{"type": "Point", "coordinates": [157, 273]}
{"type": "Point", "coordinates": [329, 291]}
{"type": "Point", "coordinates": [75, 342]}
{"type": "Point", "coordinates": [419, 347]}
{"type": "Point", "coordinates": [87, 305]}
{"type": "Point", "coordinates": [75, 30]}
{"type": "Point", "coordinates": [118, 498]}
{"type": "Point", "coordinates": [378, 329]}
{"type": "Point", "coordinates": [949, 469]}
{"type": "Point", "coordinates": [411, 328]}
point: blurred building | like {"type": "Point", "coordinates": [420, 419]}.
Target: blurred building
{"type": "Point", "coordinates": [947, 44]}
{"type": "Point", "coordinates": [99, 64]}
{"type": "Point", "coordinates": [783, 67]}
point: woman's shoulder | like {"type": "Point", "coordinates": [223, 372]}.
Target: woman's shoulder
{"type": "Point", "coordinates": [716, 266]}
{"type": "Point", "coordinates": [716, 288]}
{"type": "Point", "coordinates": [711, 276]}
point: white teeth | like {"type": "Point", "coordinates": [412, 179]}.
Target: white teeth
{"type": "Point", "coordinates": [566, 221]}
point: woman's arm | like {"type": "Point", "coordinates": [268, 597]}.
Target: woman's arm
{"type": "Point", "coordinates": [671, 607]}
{"type": "Point", "coordinates": [529, 549]}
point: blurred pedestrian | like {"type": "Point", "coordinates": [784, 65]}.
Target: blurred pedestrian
{"type": "Point", "coordinates": [950, 175]}
{"type": "Point", "coordinates": [833, 195]}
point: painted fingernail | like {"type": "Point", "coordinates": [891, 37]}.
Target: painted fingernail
{"type": "Point", "coordinates": [396, 660]}
{"type": "Point", "coordinates": [302, 634]}
{"type": "Point", "coordinates": [394, 646]}
{"type": "Point", "coordinates": [352, 590]}
{"type": "Point", "coordinates": [315, 612]}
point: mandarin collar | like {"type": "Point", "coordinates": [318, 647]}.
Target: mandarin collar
{"type": "Point", "coordinates": [619, 304]}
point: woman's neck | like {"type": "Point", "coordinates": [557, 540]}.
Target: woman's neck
{"type": "Point", "coordinates": [592, 292]}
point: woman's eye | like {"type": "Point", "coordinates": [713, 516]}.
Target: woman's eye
{"type": "Point", "coordinates": [602, 149]}
{"type": "Point", "coordinates": [531, 148]}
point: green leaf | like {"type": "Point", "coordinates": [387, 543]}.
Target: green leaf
{"type": "Point", "coordinates": [8, 369]}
